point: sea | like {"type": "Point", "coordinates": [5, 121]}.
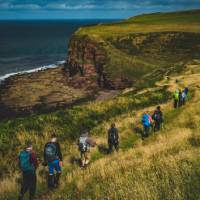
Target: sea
{"type": "Point", "coordinates": [31, 45]}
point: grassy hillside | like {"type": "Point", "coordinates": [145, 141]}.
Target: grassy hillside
{"type": "Point", "coordinates": [187, 21]}
{"type": "Point", "coordinates": [164, 166]}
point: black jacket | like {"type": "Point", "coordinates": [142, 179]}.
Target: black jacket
{"type": "Point", "coordinates": [58, 151]}
{"type": "Point", "coordinates": [113, 135]}
{"type": "Point", "coordinates": [158, 116]}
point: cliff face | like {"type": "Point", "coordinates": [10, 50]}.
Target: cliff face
{"type": "Point", "coordinates": [119, 61]}
{"type": "Point", "coordinates": [85, 63]}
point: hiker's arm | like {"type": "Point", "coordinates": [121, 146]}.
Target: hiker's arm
{"type": "Point", "coordinates": [33, 159]}
{"type": "Point", "coordinates": [117, 135]}
{"type": "Point", "coordinates": [19, 165]}
{"type": "Point", "coordinates": [45, 160]}
{"type": "Point", "coordinates": [59, 152]}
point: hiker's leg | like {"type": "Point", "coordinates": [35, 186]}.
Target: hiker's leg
{"type": "Point", "coordinates": [51, 175]}
{"type": "Point", "coordinates": [117, 146]}
{"type": "Point", "coordinates": [86, 158]}
{"type": "Point", "coordinates": [82, 159]}
{"type": "Point", "coordinates": [33, 186]}
{"type": "Point", "coordinates": [24, 185]}
{"type": "Point", "coordinates": [144, 132]}
{"type": "Point", "coordinates": [58, 172]}
{"type": "Point", "coordinates": [147, 131]}
{"type": "Point", "coordinates": [157, 125]}
{"type": "Point", "coordinates": [110, 146]}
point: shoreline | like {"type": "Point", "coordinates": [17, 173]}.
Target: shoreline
{"type": "Point", "coordinates": [30, 71]}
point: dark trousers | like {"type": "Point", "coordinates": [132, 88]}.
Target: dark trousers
{"type": "Point", "coordinates": [146, 132]}
{"type": "Point", "coordinates": [180, 102]}
{"type": "Point", "coordinates": [183, 101]}
{"type": "Point", "coordinates": [111, 145]}
{"type": "Point", "coordinates": [157, 125]}
{"type": "Point", "coordinates": [175, 103]}
{"type": "Point", "coordinates": [28, 184]}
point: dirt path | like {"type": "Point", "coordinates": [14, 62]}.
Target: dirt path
{"type": "Point", "coordinates": [107, 94]}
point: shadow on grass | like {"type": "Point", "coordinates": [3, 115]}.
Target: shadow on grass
{"type": "Point", "coordinates": [75, 161]}
{"type": "Point", "coordinates": [103, 149]}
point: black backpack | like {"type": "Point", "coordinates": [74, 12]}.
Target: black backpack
{"type": "Point", "coordinates": [113, 135]}
{"type": "Point", "coordinates": [157, 115]}
{"type": "Point", "coordinates": [50, 152]}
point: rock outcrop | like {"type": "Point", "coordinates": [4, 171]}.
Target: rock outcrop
{"type": "Point", "coordinates": [86, 61]}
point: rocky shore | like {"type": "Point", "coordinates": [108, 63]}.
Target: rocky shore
{"type": "Point", "coordinates": [41, 92]}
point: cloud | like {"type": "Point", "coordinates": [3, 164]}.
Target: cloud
{"type": "Point", "coordinates": [92, 4]}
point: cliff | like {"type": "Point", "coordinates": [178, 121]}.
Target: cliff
{"type": "Point", "coordinates": [123, 54]}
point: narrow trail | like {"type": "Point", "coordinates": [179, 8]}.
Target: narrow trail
{"type": "Point", "coordinates": [107, 94]}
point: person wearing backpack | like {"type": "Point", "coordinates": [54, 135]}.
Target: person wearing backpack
{"type": "Point", "coordinates": [113, 138]}
{"type": "Point", "coordinates": [180, 99]}
{"type": "Point", "coordinates": [53, 157]}
{"type": "Point", "coordinates": [84, 147]}
{"type": "Point", "coordinates": [158, 118]}
{"type": "Point", "coordinates": [28, 164]}
{"type": "Point", "coordinates": [184, 97]}
{"type": "Point", "coordinates": [146, 122]}
{"type": "Point", "coordinates": [176, 98]}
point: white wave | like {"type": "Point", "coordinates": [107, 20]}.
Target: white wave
{"type": "Point", "coordinates": [2, 78]}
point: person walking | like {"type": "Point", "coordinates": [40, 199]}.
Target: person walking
{"type": "Point", "coordinates": [146, 122]}
{"type": "Point", "coordinates": [184, 96]}
{"type": "Point", "coordinates": [176, 98]}
{"type": "Point", "coordinates": [28, 164]}
{"type": "Point", "coordinates": [84, 145]}
{"type": "Point", "coordinates": [180, 99]}
{"type": "Point", "coordinates": [113, 138]}
{"type": "Point", "coordinates": [186, 90]}
{"type": "Point", "coordinates": [53, 157]}
{"type": "Point", "coordinates": [158, 119]}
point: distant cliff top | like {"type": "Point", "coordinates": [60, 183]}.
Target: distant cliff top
{"type": "Point", "coordinates": [185, 21]}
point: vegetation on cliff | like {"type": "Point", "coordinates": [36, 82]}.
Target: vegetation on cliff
{"type": "Point", "coordinates": [124, 54]}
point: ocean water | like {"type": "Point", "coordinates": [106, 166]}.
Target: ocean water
{"type": "Point", "coordinates": [31, 45]}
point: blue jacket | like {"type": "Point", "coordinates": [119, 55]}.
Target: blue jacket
{"type": "Point", "coordinates": [146, 120]}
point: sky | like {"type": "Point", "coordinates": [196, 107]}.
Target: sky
{"type": "Point", "coordinates": [88, 9]}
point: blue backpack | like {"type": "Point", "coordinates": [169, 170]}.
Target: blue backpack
{"type": "Point", "coordinates": [24, 158]}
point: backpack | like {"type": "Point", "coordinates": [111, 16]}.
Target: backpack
{"type": "Point", "coordinates": [112, 135]}
{"type": "Point", "coordinates": [157, 115]}
{"type": "Point", "coordinates": [83, 146]}
{"type": "Point", "coordinates": [176, 96]}
{"type": "Point", "coordinates": [146, 120]}
{"type": "Point", "coordinates": [24, 159]}
{"type": "Point", "coordinates": [50, 152]}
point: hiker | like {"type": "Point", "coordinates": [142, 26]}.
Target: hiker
{"type": "Point", "coordinates": [176, 98]}
{"type": "Point", "coordinates": [53, 157]}
{"type": "Point", "coordinates": [184, 96]}
{"type": "Point", "coordinates": [158, 119]}
{"type": "Point", "coordinates": [28, 164]}
{"type": "Point", "coordinates": [186, 90]}
{"type": "Point", "coordinates": [113, 138]}
{"type": "Point", "coordinates": [180, 99]}
{"type": "Point", "coordinates": [84, 145]}
{"type": "Point", "coordinates": [146, 122]}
